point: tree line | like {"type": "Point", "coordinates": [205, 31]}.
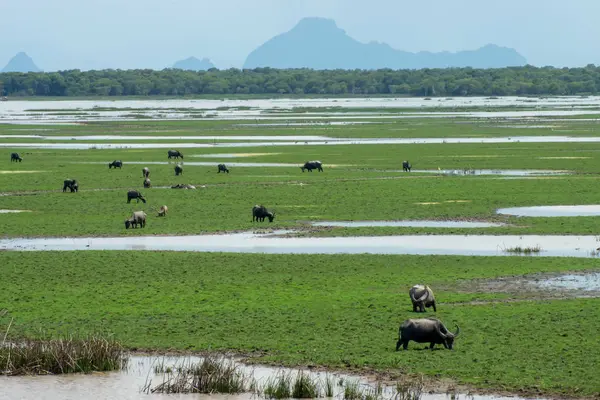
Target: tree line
{"type": "Point", "coordinates": [526, 80]}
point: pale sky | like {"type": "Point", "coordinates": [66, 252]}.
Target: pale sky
{"type": "Point", "coordinates": [96, 34]}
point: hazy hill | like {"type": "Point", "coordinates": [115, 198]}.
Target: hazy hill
{"type": "Point", "coordinates": [319, 44]}
{"type": "Point", "coordinates": [193, 64]}
{"type": "Point", "coordinates": [21, 63]}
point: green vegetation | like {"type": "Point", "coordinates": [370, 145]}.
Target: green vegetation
{"type": "Point", "coordinates": [341, 311]}
{"type": "Point", "coordinates": [526, 80]}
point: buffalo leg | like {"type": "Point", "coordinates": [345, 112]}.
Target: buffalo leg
{"type": "Point", "coordinates": [398, 344]}
{"type": "Point", "coordinates": [431, 345]}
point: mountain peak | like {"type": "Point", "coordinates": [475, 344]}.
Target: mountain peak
{"type": "Point", "coordinates": [21, 62]}
{"type": "Point", "coordinates": [194, 64]}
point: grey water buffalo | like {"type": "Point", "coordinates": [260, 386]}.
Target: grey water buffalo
{"type": "Point", "coordinates": [260, 212]}
{"type": "Point", "coordinates": [138, 218]}
{"type": "Point", "coordinates": [183, 186]}
{"type": "Point", "coordinates": [421, 297]}
{"type": "Point", "coordinates": [147, 183]}
{"type": "Point", "coordinates": [425, 330]}
{"type": "Point", "coordinates": [406, 166]}
{"type": "Point", "coordinates": [134, 194]}
{"type": "Point", "coordinates": [174, 154]}
{"type": "Point", "coordinates": [145, 172]}
{"type": "Point", "coordinates": [71, 184]}
{"type": "Point", "coordinates": [310, 165]}
{"type": "Point", "coordinates": [163, 211]}
{"type": "Point", "coordinates": [15, 157]}
{"type": "Point", "coordinates": [116, 164]}
{"type": "Point", "coordinates": [222, 167]}
{"type": "Point", "coordinates": [178, 170]}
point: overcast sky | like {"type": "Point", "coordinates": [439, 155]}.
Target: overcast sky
{"type": "Point", "coordinates": [95, 34]}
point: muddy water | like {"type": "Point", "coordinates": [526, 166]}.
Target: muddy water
{"type": "Point", "coordinates": [552, 211]}
{"type": "Point", "coordinates": [469, 245]}
{"type": "Point", "coordinates": [415, 224]}
{"type": "Point", "coordinates": [128, 384]}
{"type": "Point", "coordinates": [587, 282]}
{"type": "Point", "coordinates": [301, 142]}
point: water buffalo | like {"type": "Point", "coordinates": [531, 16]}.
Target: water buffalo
{"type": "Point", "coordinates": [71, 184]}
{"type": "Point", "coordinates": [174, 154]}
{"type": "Point", "coordinates": [138, 218]}
{"type": "Point", "coordinates": [116, 164]}
{"type": "Point", "coordinates": [183, 186]}
{"type": "Point", "coordinates": [425, 330]}
{"type": "Point", "coordinates": [222, 167]}
{"type": "Point", "coordinates": [163, 211]}
{"type": "Point", "coordinates": [147, 183]}
{"type": "Point", "coordinates": [406, 166]}
{"type": "Point", "coordinates": [134, 194]}
{"type": "Point", "coordinates": [178, 170]}
{"type": "Point", "coordinates": [421, 297]}
{"type": "Point", "coordinates": [145, 172]}
{"type": "Point", "coordinates": [260, 212]}
{"type": "Point", "coordinates": [310, 165]}
{"type": "Point", "coordinates": [15, 157]}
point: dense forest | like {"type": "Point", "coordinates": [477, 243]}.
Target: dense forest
{"type": "Point", "coordinates": [526, 80]}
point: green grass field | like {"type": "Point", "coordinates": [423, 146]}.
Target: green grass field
{"type": "Point", "coordinates": [340, 311]}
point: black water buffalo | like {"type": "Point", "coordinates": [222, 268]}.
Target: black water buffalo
{"type": "Point", "coordinates": [222, 167]}
{"type": "Point", "coordinates": [260, 212]}
{"type": "Point", "coordinates": [138, 218]}
{"type": "Point", "coordinates": [175, 154]}
{"type": "Point", "coordinates": [178, 170]}
{"type": "Point", "coordinates": [134, 194]}
{"type": "Point", "coordinates": [406, 166]}
{"type": "Point", "coordinates": [15, 157]}
{"type": "Point", "coordinates": [145, 172]}
{"type": "Point", "coordinates": [425, 330]}
{"type": "Point", "coordinates": [421, 297]}
{"type": "Point", "coordinates": [71, 184]}
{"type": "Point", "coordinates": [116, 164]}
{"type": "Point", "coordinates": [147, 183]}
{"type": "Point", "coordinates": [310, 165]}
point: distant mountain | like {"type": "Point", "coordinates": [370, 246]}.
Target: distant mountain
{"type": "Point", "coordinates": [319, 44]}
{"type": "Point", "coordinates": [194, 64]}
{"type": "Point", "coordinates": [21, 63]}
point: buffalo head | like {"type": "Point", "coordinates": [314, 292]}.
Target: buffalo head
{"type": "Point", "coordinates": [449, 337]}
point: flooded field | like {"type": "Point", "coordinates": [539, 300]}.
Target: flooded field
{"type": "Point", "coordinates": [586, 282]}
{"type": "Point", "coordinates": [479, 245]}
{"type": "Point", "coordinates": [414, 224]}
{"type": "Point", "coordinates": [143, 371]}
{"type": "Point", "coordinates": [552, 211]}
{"type": "Point", "coordinates": [503, 172]}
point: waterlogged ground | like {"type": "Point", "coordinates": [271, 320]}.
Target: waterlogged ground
{"type": "Point", "coordinates": [296, 309]}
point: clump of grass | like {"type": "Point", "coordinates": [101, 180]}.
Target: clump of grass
{"type": "Point", "coordinates": [523, 250]}
{"type": "Point", "coordinates": [410, 390]}
{"type": "Point", "coordinates": [61, 356]}
{"type": "Point", "coordinates": [305, 387]}
{"type": "Point", "coordinates": [278, 387]}
{"type": "Point", "coordinates": [328, 385]}
{"type": "Point", "coordinates": [211, 375]}
{"type": "Point", "coordinates": [374, 393]}
{"type": "Point", "coordinates": [352, 391]}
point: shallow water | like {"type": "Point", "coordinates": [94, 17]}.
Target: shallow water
{"type": "Point", "coordinates": [141, 137]}
{"type": "Point", "coordinates": [214, 164]}
{"type": "Point", "coordinates": [552, 211]}
{"type": "Point", "coordinates": [415, 224]}
{"type": "Point", "coordinates": [13, 211]}
{"type": "Point", "coordinates": [505, 172]}
{"type": "Point", "coordinates": [590, 281]}
{"type": "Point", "coordinates": [468, 245]}
{"type": "Point", "coordinates": [127, 384]}
{"type": "Point", "coordinates": [329, 142]}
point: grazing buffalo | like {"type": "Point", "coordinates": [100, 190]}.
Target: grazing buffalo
{"type": "Point", "coordinates": [183, 186]}
{"type": "Point", "coordinates": [425, 330]}
{"type": "Point", "coordinates": [163, 211]}
{"type": "Point", "coordinates": [134, 194]}
{"type": "Point", "coordinates": [116, 164]}
{"type": "Point", "coordinates": [15, 157]}
{"type": "Point", "coordinates": [175, 154]}
{"type": "Point", "coordinates": [146, 172]}
{"type": "Point", "coordinates": [147, 183]}
{"type": "Point", "coordinates": [421, 297]}
{"type": "Point", "coordinates": [138, 218]}
{"type": "Point", "coordinates": [222, 167]}
{"type": "Point", "coordinates": [71, 184]}
{"type": "Point", "coordinates": [260, 212]}
{"type": "Point", "coordinates": [406, 166]}
{"type": "Point", "coordinates": [310, 165]}
{"type": "Point", "coordinates": [178, 170]}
